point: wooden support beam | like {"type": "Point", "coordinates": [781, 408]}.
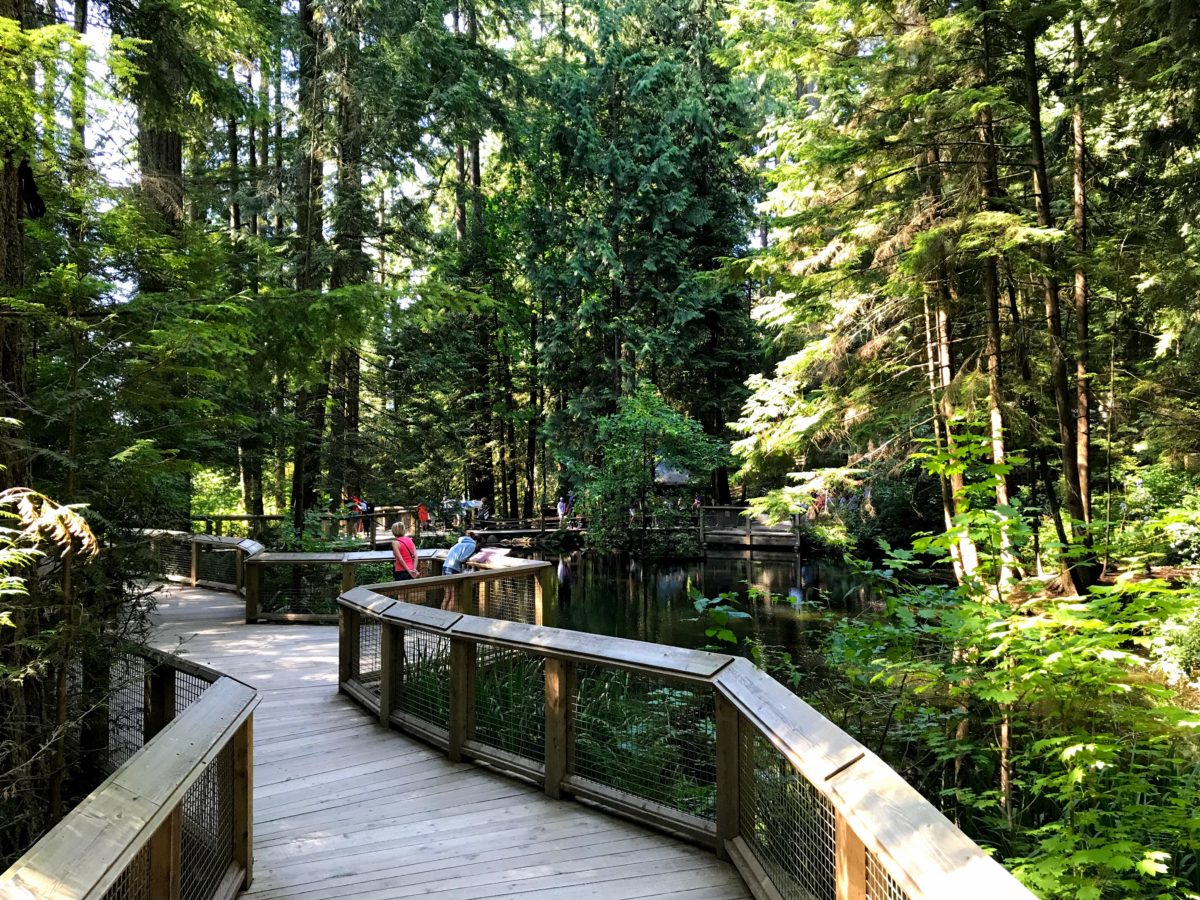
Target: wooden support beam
{"type": "Point", "coordinates": [391, 664]}
{"type": "Point", "coordinates": [166, 850]}
{"type": "Point", "coordinates": [729, 745]}
{"type": "Point", "coordinates": [195, 563]}
{"type": "Point", "coordinates": [243, 800]}
{"type": "Point", "coordinates": [850, 862]}
{"type": "Point", "coordinates": [348, 625]}
{"type": "Point", "coordinates": [253, 576]}
{"type": "Point", "coordinates": [462, 696]}
{"type": "Point", "coordinates": [159, 706]}
{"type": "Point", "coordinates": [559, 733]}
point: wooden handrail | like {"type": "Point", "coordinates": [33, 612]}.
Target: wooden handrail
{"type": "Point", "coordinates": [139, 807]}
{"type": "Point", "coordinates": [881, 829]}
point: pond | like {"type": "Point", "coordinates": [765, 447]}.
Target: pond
{"type": "Point", "coordinates": [649, 601]}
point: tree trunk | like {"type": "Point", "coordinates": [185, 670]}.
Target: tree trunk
{"type": "Point", "coordinates": [1082, 337]}
{"type": "Point", "coordinates": [1050, 286]}
{"type": "Point", "coordinates": [989, 190]}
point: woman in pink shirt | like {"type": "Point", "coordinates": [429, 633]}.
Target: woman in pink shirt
{"type": "Point", "coordinates": [404, 552]}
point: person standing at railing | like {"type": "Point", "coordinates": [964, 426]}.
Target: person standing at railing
{"type": "Point", "coordinates": [422, 518]}
{"type": "Point", "coordinates": [460, 553]}
{"type": "Point", "coordinates": [404, 553]}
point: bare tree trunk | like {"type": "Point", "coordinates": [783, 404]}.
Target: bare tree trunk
{"type": "Point", "coordinates": [989, 189]}
{"type": "Point", "coordinates": [1050, 286]}
{"type": "Point", "coordinates": [1082, 337]}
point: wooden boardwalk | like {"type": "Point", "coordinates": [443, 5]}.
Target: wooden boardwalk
{"type": "Point", "coordinates": [346, 808]}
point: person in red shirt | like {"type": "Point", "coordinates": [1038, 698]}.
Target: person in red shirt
{"type": "Point", "coordinates": [422, 518]}
{"type": "Point", "coordinates": [404, 553]}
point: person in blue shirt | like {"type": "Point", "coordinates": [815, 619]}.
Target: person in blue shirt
{"type": "Point", "coordinates": [459, 554]}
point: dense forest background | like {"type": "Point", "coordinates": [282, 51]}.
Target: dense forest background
{"type": "Point", "coordinates": [933, 266]}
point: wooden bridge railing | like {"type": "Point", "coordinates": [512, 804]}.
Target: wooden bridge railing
{"type": "Point", "coordinates": [174, 818]}
{"type": "Point", "coordinates": [334, 523]}
{"type": "Point", "coordinates": [304, 587]}
{"type": "Point", "coordinates": [698, 744]}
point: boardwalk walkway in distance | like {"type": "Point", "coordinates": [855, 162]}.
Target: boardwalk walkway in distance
{"type": "Point", "coordinates": [346, 808]}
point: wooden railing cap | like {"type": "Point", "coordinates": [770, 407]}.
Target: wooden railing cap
{"type": "Point", "coordinates": [926, 853]}
{"type": "Point", "coordinates": [584, 647]}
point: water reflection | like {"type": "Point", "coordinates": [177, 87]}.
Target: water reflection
{"type": "Point", "coordinates": [649, 601]}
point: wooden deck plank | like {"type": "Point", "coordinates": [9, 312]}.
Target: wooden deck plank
{"type": "Point", "coordinates": [346, 808]}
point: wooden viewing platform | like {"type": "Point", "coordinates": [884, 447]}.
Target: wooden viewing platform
{"type": "Point", "coordinates": [346, 808]}
{"type": "Point", "coordinates": [307, 760]}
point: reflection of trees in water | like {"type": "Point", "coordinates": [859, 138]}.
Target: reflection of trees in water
{"type": "Point", "coordinates": [626, 597]}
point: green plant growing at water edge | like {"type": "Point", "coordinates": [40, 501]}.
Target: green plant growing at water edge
{"type": "Point", "coordinates": [1036, 721]}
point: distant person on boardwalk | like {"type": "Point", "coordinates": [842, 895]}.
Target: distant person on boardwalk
{"type": "Point", "coordinates": [404, 553]}
{"type": "Point", "coordinates": [697, 503]}
{"type": "Point", "coordinates": [571, 508]}
{"type": "Point", "coordinates": [354, 512]}
{"type": "Point", "coordinates": [459, 554]}
{"type": "Point", "coordinates": [562, 511]}
{"type": "Point", "coordinates": [422, 518]}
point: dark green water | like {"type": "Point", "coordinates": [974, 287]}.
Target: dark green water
{"type": "Point", "coordinates": [649, 601]}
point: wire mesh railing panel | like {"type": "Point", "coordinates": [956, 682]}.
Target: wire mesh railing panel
{"type": "Point", "coordinates": [126, 708]}
{"type": "Point", "coordinates": [217, 564]}
{"type": "Point", "coordinates": [188, 689]}
{"type": "Point", "coordinates": [512, 598]}
{"type": "Point", "coordinates": [787, 822]}
{"type": "Point", "coordinates": [303, 589]}
{"type": "Point", "coordinates": [437, 596]}
{"type": "Point", "coordinates": [510, 701]}
{"type": "Point", "coordinates": [207, 845]}
{"type": "Point", "coordinates": [369, 664]}
{"type": "Point", "coordinates": [372, 573]}
{"type": "Point", "coordinates": [881, 885]}
{"type": "Point", "coordinates": [425, 691]}
{"type": "Point", "coordinates": [648, 736]}
{"type": "Point", "coordinates": [134, 882]}
{"type": "Point", "coordinates": [174, 557]}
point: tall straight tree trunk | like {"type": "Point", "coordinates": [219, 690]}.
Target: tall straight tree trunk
{"type": "Point", "coordinates": [277, 123]}
{"type": "Point", "coordinates": [963, 552]}
{"type": "Point", "coordinates": [350, 263]}
{"type": "Point", "coordinates": [1050, 286]}
{"type": "Point", "coordinates": [310, 402]}
{"type": "Point", "coordinates": [1082, 337]}
{"type": "Point", "coordinates": [989, 191]}
{"type": "Point", "coordinates": [252, 158]}
{"type": "Point", "coordinates": [531, 427]}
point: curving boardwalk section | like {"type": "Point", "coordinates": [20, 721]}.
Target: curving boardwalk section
{"type": "Point", "coordinates": [346, 808]}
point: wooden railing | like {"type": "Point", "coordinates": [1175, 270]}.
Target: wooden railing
{"type": "Point", "coordinates": [304, 587]}
{"type": "Point", "coordinates": [698, 744]}
{"type": "Point", "coordinates": [174, 818]}
{"type": "Point", "coordinates": [333, 523]}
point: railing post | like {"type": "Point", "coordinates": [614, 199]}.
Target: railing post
{"type": "Point", "coordinates": [220, 527]}
{"type": "Point", "coordinates": [159, 700]}
{"type": "Point", "coordinates": [464, 596]}
{"type": "Point", "coordinates": [348, 632]}
{"type": "Point", "coordinates": [253, 576]}
{"type": "Point", "coordinates": [850, 862]}
{"type": "Point", "coordinates": [462, 695]}
{"type": "Point", "coordinates": [546, 597]}
{"type": "Point", "coordinates": [347, 576]}
{"type": "Point", "coordinates": [749, 532]}
{"type": "Point", "coordinates": [243, 799]}
{"type": "Point", "coordinates": [166, 852]}
{"type": "Point", "coordinates": [700, 521]}
{"type": "Point", "coordinates": [560, 689]}
{"type": "Point", "coordinates": [391, 670]}
{"type": "Point", "coordinates": [729, 743]}
{"type": "Point", "coordinates": [195, 563]}
{"type": "Point", "coordinates": [239, 569]}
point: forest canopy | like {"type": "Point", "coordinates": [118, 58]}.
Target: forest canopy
{"type": "Point", "coordinates": [925, 273]}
